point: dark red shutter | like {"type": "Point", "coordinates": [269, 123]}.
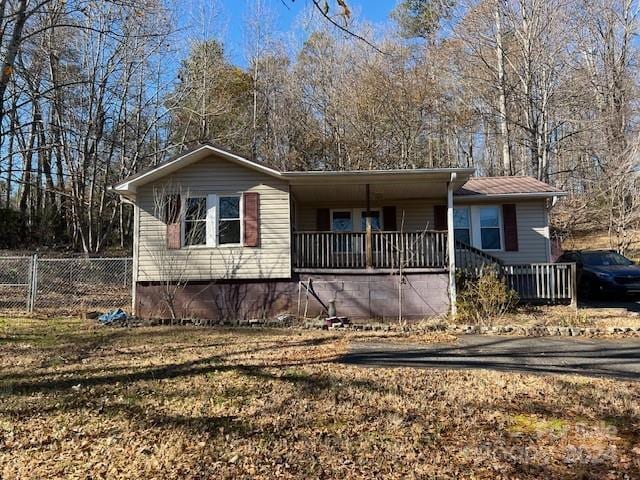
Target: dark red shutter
{"type": "Point", "coordinates": [440, 217]}
{"type": "Point", "coordinates": [323, 220]}
{"type": "Point", "coordinates": [510, 225]}
{"type": "Point", "coordinates": [251, 202]}
{"type": "Point", "coordinates": [173, 236]}
{"type": "Point", "coordinates": [171, 208]}
{"type": "Point", "coordinates": [172, 219]}
{"type": "Point", "coordinates": [389, 218]}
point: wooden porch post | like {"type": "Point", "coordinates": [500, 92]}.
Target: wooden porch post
{"type": "Point", "coordinates": [574, 286]}
{"type": "Point", "coordinates": [368, 240]}
{"type": "Point", "coordinates": [451, 247]}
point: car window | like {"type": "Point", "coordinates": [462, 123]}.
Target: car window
{"type": "Point", "coordinates": [568, 257]}
{"type": "Point", "coordinates": [598, 259]}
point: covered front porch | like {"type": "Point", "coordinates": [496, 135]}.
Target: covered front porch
{"type": "Point", "coordinates": [374, 221]}
{"type": "Point", "coordinates": [379, 250]}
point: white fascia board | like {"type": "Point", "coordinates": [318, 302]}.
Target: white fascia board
{"type": "Point", "coordinates": [439, 175]}
{"type": "Point", "coordinates": [375, 173]}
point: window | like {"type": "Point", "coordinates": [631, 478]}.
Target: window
{"type": "Point", "coordinates": [490, 228]}
{"type": "Point", "coordinates": [478, 226]}
{"type": "Point", "coordinates": [568, 257]}
{"type": "Point", "coordinates": [375, 220]}
{"type": "Point", "coordinates": [341, 221]}
{"type": "Point", "coordinates": [195, 221]}
{"type": "Point", "coordinates": [462, 225]}
{"type": "Point", "coordinates": [605, 259]}
{"type": "Point", "coordinates": [229, 220]}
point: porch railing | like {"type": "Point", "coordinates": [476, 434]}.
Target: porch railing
{"type": "Point", "coordinates": [473, 260]}
{"type": "Point", "coordinates": [329, 250]}
{"type": "Point", "coordinates": [533, 282]}
{"type": "Point", "coordinates": [546, 282]}
{"type": "Point", "coordinates": [382, 250]}
{"type": "Point", "coordinates": [426, 249]}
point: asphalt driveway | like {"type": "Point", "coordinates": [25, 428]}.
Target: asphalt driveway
{"type": "Point", "coordinates": [544, 355]}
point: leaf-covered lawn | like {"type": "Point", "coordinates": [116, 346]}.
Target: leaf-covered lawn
{"type": "Point", "coordinates": [82, 401]}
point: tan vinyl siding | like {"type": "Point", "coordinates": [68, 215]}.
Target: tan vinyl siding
{"type": "Point", "coordinates": [271, 259]}
{"type": "Point", "coordinates": [418, 214]}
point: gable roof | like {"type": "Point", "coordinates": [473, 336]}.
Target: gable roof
{"type": "Point", "coordinates": [474, 187]}
{"type": "Point", "coordinates": [130, 184]}
{"type": "Point", "coordinates": [507, 186]}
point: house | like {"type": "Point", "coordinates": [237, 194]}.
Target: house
{"type": "Point", "coordinates": [219, 236]}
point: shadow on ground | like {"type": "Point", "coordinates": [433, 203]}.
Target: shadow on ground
{"type": "Point", "coordinates": [618, 359]}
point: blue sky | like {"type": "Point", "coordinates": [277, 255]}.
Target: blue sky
{"type": "Point", "coordinates": [230, 17]}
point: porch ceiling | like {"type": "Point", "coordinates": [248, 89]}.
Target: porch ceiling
{"type": "Point", "coordinates": [402, 185]}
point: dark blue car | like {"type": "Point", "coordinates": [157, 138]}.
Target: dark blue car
{"type": "Point", "coordinates": [604, 272]}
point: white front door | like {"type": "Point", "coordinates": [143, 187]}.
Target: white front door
{"type": "Point", "coordinates": [354, 220]}
{"type": "Point", "coordinates": [350, 249]}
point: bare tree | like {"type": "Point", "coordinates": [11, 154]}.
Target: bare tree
{"type": "Point", "coordinates": [79, 116]}
{"type": "Point", "coordinates": [501, 85]}
{"type": "Point", "coordinates": [539, 87]}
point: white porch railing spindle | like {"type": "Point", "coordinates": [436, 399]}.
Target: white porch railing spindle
{"type": "Point", "coordinates": [548, 282]}
{"type": "Point", "coordinates": [342, 250]}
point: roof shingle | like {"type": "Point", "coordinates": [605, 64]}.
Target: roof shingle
{"type": "Point", "coordinates": [505, 186]}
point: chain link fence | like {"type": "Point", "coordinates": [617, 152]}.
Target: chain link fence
{"type": "Point", "coordinates": [64, 285]}
{"type": "Point", "coordinates": [15, 283]}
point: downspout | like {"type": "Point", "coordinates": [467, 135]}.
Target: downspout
{"type": "Point", "coordinates": [548, 207]}
{"type": "Point", "coordinates": [368, 239]}
{"type": "Point", "coordinates": [136, 255]}
{"type": "Point", "coordinates": [451, 247]}
{"type": "Point", "coordinates": [136, 247]}
{"type": "Point", "coordinates": [293, 222]}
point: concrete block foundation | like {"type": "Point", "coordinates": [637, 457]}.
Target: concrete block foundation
{"type": "Point", "coordinates": [357, 296]}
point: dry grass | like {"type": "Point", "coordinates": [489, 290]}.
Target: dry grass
{"type": "Point", "coordinates": [80, 401]}
{"type": "Point", "coordinates": [559, 315]}
{"type": "Point", "coordinates": [601, 241]}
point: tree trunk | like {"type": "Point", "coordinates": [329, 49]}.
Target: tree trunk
{"type": "Point", "coordinates": [507, 168]}
{"type": "Point", "coordinates": [11, 52]}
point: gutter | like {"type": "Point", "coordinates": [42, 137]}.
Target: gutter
{"type": "Point", "coordinates": [356, 173]}
{"type": "Point", "coordinates": [507, 196]}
